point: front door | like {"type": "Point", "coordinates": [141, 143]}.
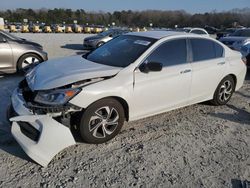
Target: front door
{"type": "Point", "coordinates": [156, 92]}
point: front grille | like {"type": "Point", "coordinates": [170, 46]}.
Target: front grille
{"type": "Point", "coordinates": [29, 131]}
{"type": "Point", "coordinates": [43, 109]}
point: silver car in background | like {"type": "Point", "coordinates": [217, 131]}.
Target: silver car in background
{"type": "Point", "coordinates": [17, 54]}
{"type": "Point", "coordinates": [96, 41]}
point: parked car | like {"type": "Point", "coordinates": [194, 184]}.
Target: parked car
{"type": "Point", "coordinates": [101, 38]}
{"type": "Point", "coordinates": [18, 54]}
{"type": "Point", "coordinates": [245, 51]}
{"type": "Point", "coordinates": [133, 76]}
{"type": "Point", "coordinates": [198, 31]}
{"type": "Point", "coordinates": [225, 32]}
{"type": "Point", "coordinates": [211, 30]}
{"type": "Point", "coordinates": [236, 39]}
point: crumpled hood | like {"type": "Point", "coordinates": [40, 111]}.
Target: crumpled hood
{"type": "Point", "coordinates": [60, 72]}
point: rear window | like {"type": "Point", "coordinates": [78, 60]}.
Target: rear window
{"type": "Point", "coordinates": [204, 49]}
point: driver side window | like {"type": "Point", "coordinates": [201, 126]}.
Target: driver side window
{"type": "Point", "coordinates": [170, 53]}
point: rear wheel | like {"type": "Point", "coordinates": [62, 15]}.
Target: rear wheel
{"type": "Point", "coordinates": [102, 121]}
{"type": "Point", "coordinates": [224, 91]}
{"type": "Point", "coordinates": [26, 61]}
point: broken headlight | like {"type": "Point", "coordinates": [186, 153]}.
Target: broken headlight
{"type": "Point", "coordinates": [56, 97]}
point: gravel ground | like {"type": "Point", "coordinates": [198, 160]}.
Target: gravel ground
{"type": "Point", "coordinates": [197, 146]}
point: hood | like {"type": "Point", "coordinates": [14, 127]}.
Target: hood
{"type": "Point", "coordinates": [60, 72]}
{"type": "Point", "coordinates": [24, 41]}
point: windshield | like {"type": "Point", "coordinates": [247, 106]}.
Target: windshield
{"type": "Point", "coordinates": [105, 33]}
{"type": "Point", "coordinates": [10, 36]}
{"type": "Point", "coordinates": [121, 51]}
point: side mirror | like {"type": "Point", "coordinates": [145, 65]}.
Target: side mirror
{"type": "Point", "coordinates": [150, 67]}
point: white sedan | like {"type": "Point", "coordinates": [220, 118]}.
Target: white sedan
{"type": "Point", "coordinates": [133, 76]}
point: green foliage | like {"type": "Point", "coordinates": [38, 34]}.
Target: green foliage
{"type": "Point", "coordinates": [131, 18]}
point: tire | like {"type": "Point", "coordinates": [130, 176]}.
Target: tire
{"type": "Point", "coordinates": [101, 121]}
{"type": "Point", "coordinates": [26, 60]}
{"type": "Point", "coordinates": [224, 91]}
{"type": "Point", "coordinates": [99, 44]}
{"type": "Point", "coordinates": [248, 60]}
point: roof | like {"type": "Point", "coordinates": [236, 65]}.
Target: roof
{"type": "Point", "coordinates": [156, 34]}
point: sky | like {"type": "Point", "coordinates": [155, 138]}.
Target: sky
{"type": "Point", "coordinates": [191, 6]}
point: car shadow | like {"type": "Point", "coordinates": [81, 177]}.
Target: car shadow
{"type": "Point", "coordinates": [243, 95]}
{"type": "Point", "coordinates": [8, 84]}
{"type": "Point", "coordinates": [240, 115]}
{"type": "Point", "coordinates": [73, 46]}
{"type": "Point", "coordinates": [76, 47]}
{"type": "Point", "coordinates": [239, 183]}
{"type": "Point", "coordinates": [8, 144]}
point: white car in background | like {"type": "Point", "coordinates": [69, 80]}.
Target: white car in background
{"type": "Point", "coordinates": [199, 31]}
{"type": "Point", "coordinates": [133, 76]}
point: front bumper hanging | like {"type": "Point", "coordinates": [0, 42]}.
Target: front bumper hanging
{"type": "Point", "coordinates": [41, 137]}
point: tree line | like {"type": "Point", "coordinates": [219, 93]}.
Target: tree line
{"type": "Point", "coordinates": [158, 18]}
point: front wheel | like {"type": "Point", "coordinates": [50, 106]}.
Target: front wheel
{"type": "Point", "coordinates": [102, 121]}
{"type": "Point", "coordinates": [26, 61]}
{"type": "Point", "coordinates": [224, 91]}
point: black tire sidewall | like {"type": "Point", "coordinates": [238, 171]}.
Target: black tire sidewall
{"type": "Point", "coordinates": [216, 99]}
{"type": "Point", "coordinates": [20, 61]}
{"type": "Point", "coordinates": [84, 123]}
{"type": "Point", "coordinates": [248, 60]}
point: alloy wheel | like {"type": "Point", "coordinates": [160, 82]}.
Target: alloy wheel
{"type": "Point", "coordinates": [225, 91]}
{"type": "Point", "coordinates": [103, 122]}
{"type": "Point", "coordinates": [28, 61]}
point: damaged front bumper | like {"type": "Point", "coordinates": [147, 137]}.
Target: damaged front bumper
{"type": "Point", "coordinates": [40, 136]}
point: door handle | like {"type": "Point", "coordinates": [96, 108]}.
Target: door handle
{"type": "Point", "coordinates": [221, 63]}
{"type": "Point", "coordinates": [186, 71]}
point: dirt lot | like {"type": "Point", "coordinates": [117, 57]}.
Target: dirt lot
{"type": "Point", "coordinates": [196, 146]}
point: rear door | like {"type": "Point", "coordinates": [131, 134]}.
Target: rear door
{"type": "Point", "coordinates": [208, 65]}
{"type": "Point", "coordinates": [6, 57]}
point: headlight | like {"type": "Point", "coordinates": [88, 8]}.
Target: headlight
{"type": "Point", "coordinates": [56, 97]}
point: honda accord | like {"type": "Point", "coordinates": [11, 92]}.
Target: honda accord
{"type": "Point", "coordinates": [133, 76]}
